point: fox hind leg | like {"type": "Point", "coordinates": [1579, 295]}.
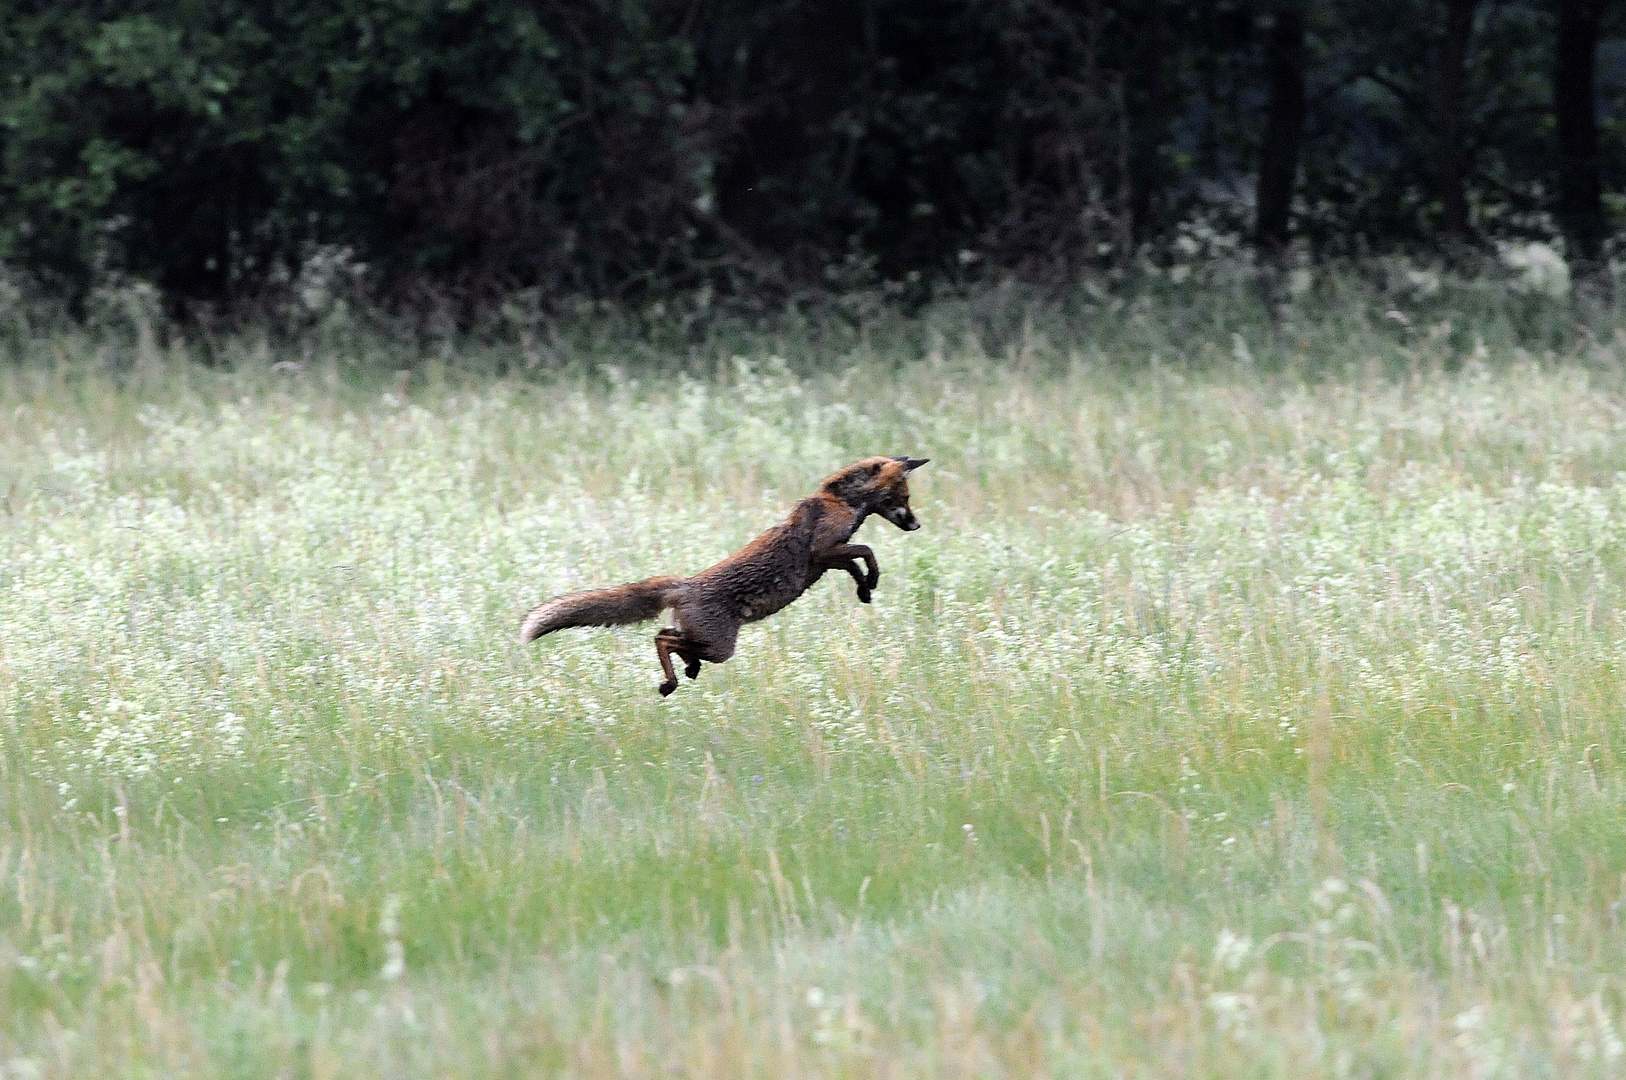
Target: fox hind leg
{"type": "Point", "coordinates": [670, 642]}
{"type": "Point", "coordinates": [714, 648]}
{"type": "Point", "coordinates": [666, 643]}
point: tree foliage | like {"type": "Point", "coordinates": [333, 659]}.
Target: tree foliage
{"type": "Point", "coordinates": [473, 147]}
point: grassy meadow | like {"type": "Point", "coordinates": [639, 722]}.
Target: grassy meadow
{"type": "Point", "coordinates": [1251, 706]}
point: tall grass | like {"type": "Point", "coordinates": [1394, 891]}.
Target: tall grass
{"type": "Point", "coordinates": [1249, 705]}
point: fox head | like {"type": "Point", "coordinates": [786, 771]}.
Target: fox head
{"type": "Point", "coordinates": [878, 485]}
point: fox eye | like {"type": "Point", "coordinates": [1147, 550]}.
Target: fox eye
{"type": "Point", "coordinates": [874, 469]}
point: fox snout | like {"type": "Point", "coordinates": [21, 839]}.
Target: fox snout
{"type": "Point", "coordinates": [902, 517]}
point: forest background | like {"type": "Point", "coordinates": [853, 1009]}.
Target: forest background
{"type": "Point", "coordinates": [449, 157]}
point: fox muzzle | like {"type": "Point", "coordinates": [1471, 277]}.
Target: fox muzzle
{"type": "Point", "coordinates": [902, 517]}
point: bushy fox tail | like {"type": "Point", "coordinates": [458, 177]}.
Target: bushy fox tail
{"type": "Point", "coordinates": [635, 603]}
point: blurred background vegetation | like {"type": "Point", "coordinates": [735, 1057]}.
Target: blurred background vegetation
{"type": "Point", "coordinates": [448, 157]}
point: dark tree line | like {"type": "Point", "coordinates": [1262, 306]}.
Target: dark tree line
{"type": "Point", "coordinates": [772, 148]}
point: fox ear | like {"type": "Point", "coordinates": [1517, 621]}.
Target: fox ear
{"type": "Point", "coordinates": [911, 464]}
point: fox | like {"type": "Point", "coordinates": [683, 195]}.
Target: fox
{"type": "Point", "coordinates": [763, 577]}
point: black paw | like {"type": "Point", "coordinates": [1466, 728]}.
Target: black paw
{"type": "Point", "coordinates": [667, 687]}
{"type": "Point", "coordinates": [692, 669]}
{"type": "Point", "coordinates": [863, 594]}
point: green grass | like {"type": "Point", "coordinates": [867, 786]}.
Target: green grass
{"type": "Point", "coordinates": [1246, 707]}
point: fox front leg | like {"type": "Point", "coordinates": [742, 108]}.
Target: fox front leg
{"type": "Point", "coordinates": [844, 556]}
{"type": "Point", "coordinates": [851, 566]}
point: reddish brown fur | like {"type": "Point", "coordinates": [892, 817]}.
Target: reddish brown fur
{"type": "Point", "coordinates": [756, 581]}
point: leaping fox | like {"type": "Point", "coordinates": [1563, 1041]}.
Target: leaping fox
{"type": "Point", "coordinates": [756, 581]}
